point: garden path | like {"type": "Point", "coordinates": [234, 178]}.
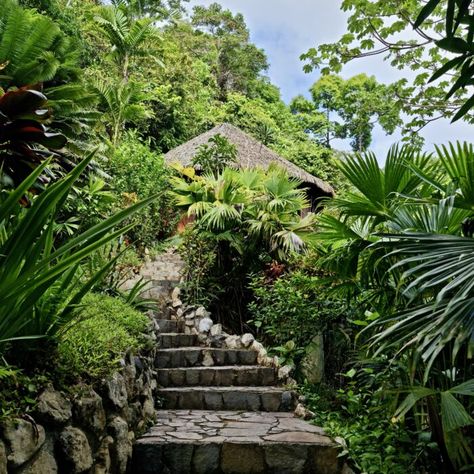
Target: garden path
{"type": "Point", "coordinates": [224, 413]}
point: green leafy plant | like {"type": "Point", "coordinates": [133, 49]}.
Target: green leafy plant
{"type": "Point", "coordinates": [288, 353]}
{"type": "Point", "coordinates": [106, 328]}
{"type": "Point", "coordinates": [40, 283]}
{"type": "Point", "coordinates": [398, 238]}
{"type": "Point", "coordinates": [24, 139]}
{"type": "Point", "coordinates": [215, 156]}
{"type": "Point", "coordinates": [139, 172]}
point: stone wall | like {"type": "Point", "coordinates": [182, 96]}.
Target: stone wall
{"type": "Point", "coordinates": [90, 430]}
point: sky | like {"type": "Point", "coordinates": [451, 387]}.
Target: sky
{"type": "Point", "coordinates": [287, 28]}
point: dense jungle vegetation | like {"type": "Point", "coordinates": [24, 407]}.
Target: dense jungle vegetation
{"type": "Point", "coordinates": [378, 284]}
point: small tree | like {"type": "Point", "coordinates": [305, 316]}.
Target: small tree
{"type": "Point", "coordinates": [217, 156]}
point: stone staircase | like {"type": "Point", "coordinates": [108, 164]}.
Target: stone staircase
{"type": "Point", "coordinates": [224, 413]}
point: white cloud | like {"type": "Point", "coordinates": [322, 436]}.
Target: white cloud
{"type": "Point", "coordinates": [287, 28]}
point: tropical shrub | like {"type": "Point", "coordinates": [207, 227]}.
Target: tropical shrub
{"type": "Point", "coordinates": [215, 156]}
{"type": "Point", "coordinates": [293, 307]}
{"type": "Point", "coordinates": [106, 329]}
{"type": "Point", "coordinates": [397, 239]}
{"type": "Point", "coordinates": [138, 172]}
{"type": "Point", "coordinates": [249, 217]}
{"type": "Point", "coordinates": [24, 139]}
{"type": "Point", "coordinates": [40, 282]}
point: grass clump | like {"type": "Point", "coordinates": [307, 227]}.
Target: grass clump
{"type": "Point", "coordinates": [107, 328]}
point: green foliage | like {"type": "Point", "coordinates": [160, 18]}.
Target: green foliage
{"type": "Point", "coordinates": [293, 307]}
{"type": "Point", "coordinates": [392, 241]}
{"type": "Point", "coordinates": [40, 283]}
{"type": "Point", "coordinates": [106, 329]}
{"type": "Point", "coordinates": [201, 285]}
{"type": "Point", "coordinates": [458, 40]}
{"type": "Point", "coordinates": [264, 206]}
{"type": "Point", "coordinates": [139, 173]}
{"type": "Point", "coordinates": [216, 156]}
{"type": "Point", "coordinates": [18, 391]}
{"type": "Point", "coordinates": [127, 35]}
{"type": "Point", "coordinates": [359, 102]}
{"type": "Point", "coordinates": [24, 140]}
{"type": "Point", "coordinates": [244, 217]}
{"type": "Point", "coordinates": [238, 62]}
{"type": "Point", "coordinates": [123, 104]}
{"type": "Point", "coordinates": [33, 49]}
{"type": "Point", "coordinates": [357, 418]}
{"type": "Point", "coordinates": [386, 28]}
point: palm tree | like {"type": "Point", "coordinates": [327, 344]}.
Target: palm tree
{"type": "Point", "coordinates": [126, 35]}
{"type": "Point", "coordinates": [123, 103]}
{"type": "Point", "coordinates": [405, 231]}
{"type": "Point", "coordinates": [263, 208]}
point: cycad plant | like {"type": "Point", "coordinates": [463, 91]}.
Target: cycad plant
{"type": "Point", "coordinates": [405, 234]}
{"type": "Point", "coordinates": [33, 49]}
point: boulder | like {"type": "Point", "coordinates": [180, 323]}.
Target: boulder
{"type": "Point", "coordinates": [103, 462]}
{"type": "Point", "coordinates": [24, 440]}
{"type": "Point", "coordinates": [256, 346]}
{"type": "Point", "coordinates": [216, 330]}
{"type": "Point", "coordinates": [3, 458]}
{"type": "Point", "coordinates": [121, 449]}
{"type": "Point", "coordinates": [302, 412]}
{"type": "Point", "coordinates": [53, 407]}
{"type": "Point", "coordinates": [175, 294]}
{"type": "Point", "coordinates": [205, 325]}
{"type": "Point", "coordinates": [202, 312]}
{"type": "Point", "coordinates": [233, 342]}
{"type": "Point", "coordinates": [176, 303]}
{"type": "Point", "coordinates": [312, 364]}
{"type": "Point", "coordinates": [75, 449]}
{"type": "Point", "coordinates": [247, 340]}
{"type": "Point", "coordinates": [89, 411]}
{"type": "Point", "coordinates": [284, 372]}
{"type": "Point", "coordinates": [117, 390]}
{"type": "Point", "coordinates": [43, 462]}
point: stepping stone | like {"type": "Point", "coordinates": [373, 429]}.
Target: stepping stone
{"type": "Point", "coordinates": [253, 375]}
{"type": "Point", "coordinates": [168, 340]}
{"type": "Point", "coordinates": [192, 441]}
{"type": "Point", "coordinates": [171, 326]}
{"type": "Point", "coordinates": [228, 398]}
{"type": "Point", "coordinates": [196, 356]}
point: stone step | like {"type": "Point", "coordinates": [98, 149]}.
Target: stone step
{"type": "Point", "coordinates": [171, 326]}
{"type": "Point", "coordinates": [198, 356]}
{"type": "Point", "coordinates": [227, 398]}
{"type": "Point", "coordinates": [171, 340]}
{"type": "Point", "coordinates": [218, 376]}
{"type": "Point", "coordinates": [206, 442]}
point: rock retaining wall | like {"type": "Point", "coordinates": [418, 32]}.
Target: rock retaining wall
{"type": "Point", "coordinates": [90, 431]}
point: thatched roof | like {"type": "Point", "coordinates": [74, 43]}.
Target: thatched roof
{"type": "Point", "coordinates": [250, 153]}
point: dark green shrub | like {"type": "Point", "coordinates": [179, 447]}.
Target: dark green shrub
{"type": "Point", "coordinates": [138, 172]}
{"type": "Point", "coordinates": [108, 328]}
{"type": "Point", "coordinates": [293, 307]}
{"type": "Point", "coordinates": [215, 157]}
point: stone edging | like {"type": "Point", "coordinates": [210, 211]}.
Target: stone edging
{"type": "Point", "coordinates": [197, 321]}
